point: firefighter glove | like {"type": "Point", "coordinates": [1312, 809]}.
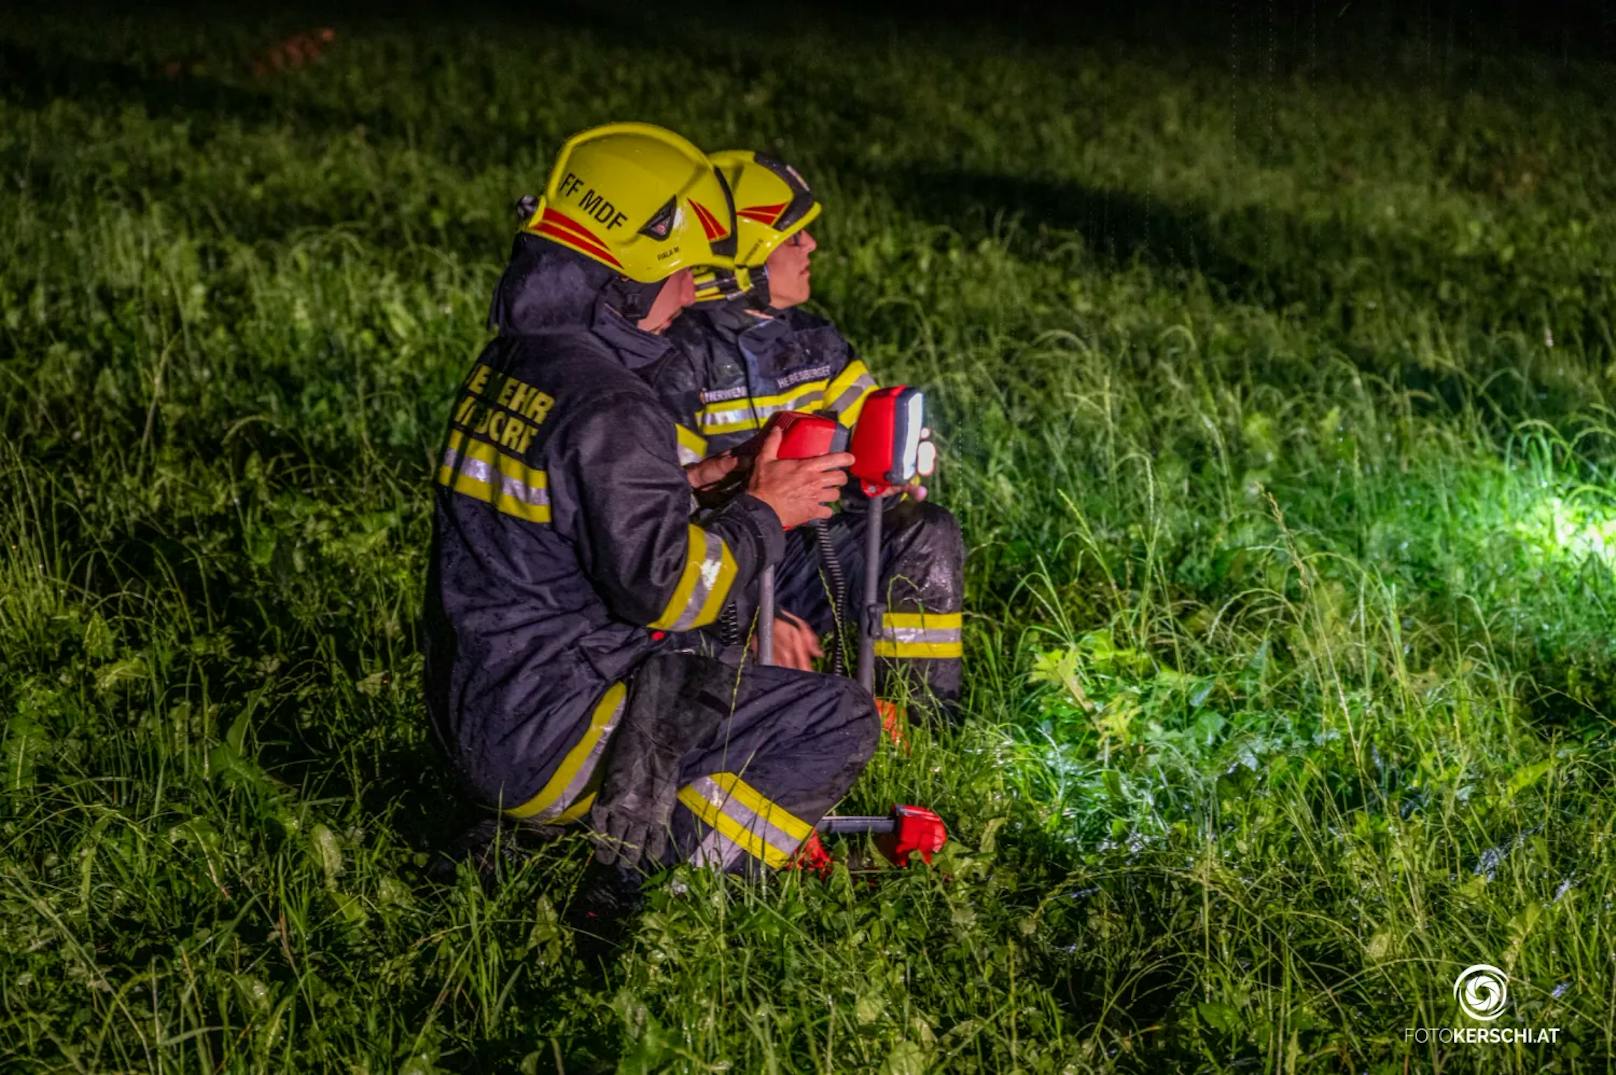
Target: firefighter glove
{"type": "Point", "coordinates": [677, 702]}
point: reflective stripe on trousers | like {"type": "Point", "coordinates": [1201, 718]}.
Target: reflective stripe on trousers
{"type": "Point", "coordinates": [563, 798]}
{"type": "Point", "coordinates": [920, 634]}
{"type": "Point", "coordinates": [743, 821]}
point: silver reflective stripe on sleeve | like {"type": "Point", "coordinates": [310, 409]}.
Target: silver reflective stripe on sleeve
{"type": "Point", "coordinates": [487, 474]}
{"type": "Point", "coordinates": [846, 393]}
{"type": "Point", "coordinates": [704, 583]}
{"type": "Point", "coordinates": [477, 469]}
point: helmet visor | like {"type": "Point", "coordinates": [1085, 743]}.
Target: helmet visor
{"type": "Point", "coordinates": [797, 211]}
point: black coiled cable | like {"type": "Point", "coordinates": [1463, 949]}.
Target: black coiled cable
{"type": "Point", "coordinates": [837, 580]}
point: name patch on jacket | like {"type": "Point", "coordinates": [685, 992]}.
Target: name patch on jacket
{"type": "Point", "coordinates": [719, 395]}
{"type": "Point", "coordinates": [813, 373]}
{"type": "Point", "coordinates": [507, 412]}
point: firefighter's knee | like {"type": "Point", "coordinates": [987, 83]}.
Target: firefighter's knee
{"type": "Point", "coordinates": [859, 715]}
{"type": "Point", "coordinates": [941, 532]}
{"type": "Point", "coordinates": [930, 560]}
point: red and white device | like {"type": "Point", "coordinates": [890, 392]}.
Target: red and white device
{"type": "Point", "coordinates": [886, 441]}
{"type": "Point", "coordinates": [886, 447]}
{"type": "Point", "coordinates": [886, 456]}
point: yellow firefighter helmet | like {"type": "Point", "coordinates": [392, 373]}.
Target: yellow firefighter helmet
{"type": "Point", "coordinates": [772, 202]}
{"type": "Point", "coordinates": [639, 199]}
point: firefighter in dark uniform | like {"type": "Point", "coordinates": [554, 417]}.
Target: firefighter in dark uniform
{"type": "Point", "coordinates": [568, 570]}
{"type": "Point", "coordinates": [751, 351]}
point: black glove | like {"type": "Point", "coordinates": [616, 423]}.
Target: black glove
{"type": "Point", "coordinates": [676, 702]}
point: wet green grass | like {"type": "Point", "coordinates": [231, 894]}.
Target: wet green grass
{"type": "Point", "coordinates": [1274, 386]}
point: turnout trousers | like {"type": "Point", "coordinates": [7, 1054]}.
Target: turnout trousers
{"type": "Point", "coordinates": [788, 746]}
{"type": "Point", "coordinates": [918, 650]}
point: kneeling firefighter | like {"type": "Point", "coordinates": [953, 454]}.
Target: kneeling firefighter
{"type": "Point", "coordinates": [567, 570]}
{"type": "Point", "coordinates": [749, 352]}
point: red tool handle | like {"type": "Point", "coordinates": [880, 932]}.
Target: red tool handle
{"type": "Point", "coordinates": [907, 830]}
{"type": "Point", "coordinates": [804, 435]}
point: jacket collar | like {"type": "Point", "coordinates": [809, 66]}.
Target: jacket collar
{"type": "Point", "coordinates": [635, 348]}
{"type": "Point", "coordinates": [546, 287]}
{"type": "Point", "coordinates": [734, 320]}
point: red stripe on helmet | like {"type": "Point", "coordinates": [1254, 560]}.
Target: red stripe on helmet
{"type": "Point", "coordinates": [709, 223]}
{"type": "Point", "coordinates": [763, 214]}
{"type": "Point", "coordinates": [566, 238]}
{"type": "Point", "coordinates": [561, 220]}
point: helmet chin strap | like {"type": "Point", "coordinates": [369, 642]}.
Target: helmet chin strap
{"type": "Point", "coordinates": [758, 293]}
{"type": "Point", "coordinates": [750, 285]}
{"type": "Point", "coordinates": [631, 298]}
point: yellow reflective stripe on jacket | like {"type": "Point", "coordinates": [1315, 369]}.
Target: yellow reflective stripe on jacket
{"type": "Point", "coordinates": [477, 469]}
{"type": "Point", "coordinates": [704, 583]}
{"type": "Point", "coordinates": [692, 445]}
{"type": "Point", "coordinates": [846, 394]}
{"type": "Point", "coordinates": [920, 634]}
{"type": "Point", "coordinates": [751, 412]}
{"type": "Point", "coordinates": [562, 797]}
{"type": "Point", "coordinates": [742, 816]}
